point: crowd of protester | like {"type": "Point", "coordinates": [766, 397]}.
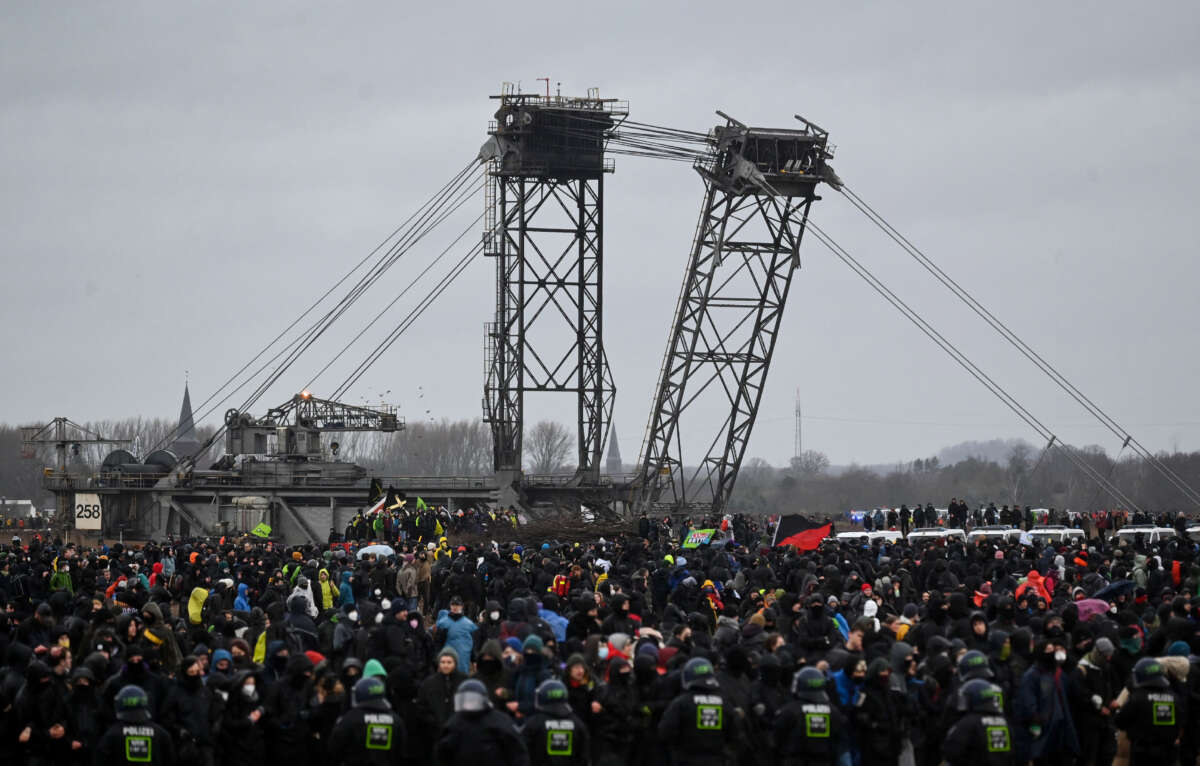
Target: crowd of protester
{"type": "Point", "coordinates": [959, 514]}
{"type": "Point", "coordinates": [627, 650]}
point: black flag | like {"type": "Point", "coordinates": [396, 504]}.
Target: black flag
{"type": "Point", "coordinates": [796, 530]}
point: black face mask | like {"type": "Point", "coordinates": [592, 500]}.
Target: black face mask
{"type": "Point", "coordinates": [192, 682]}
{"type": "Point", "coordinates": [1046, 660]}
{"type": "Point", "coordinates": [490, 665]}
{"type": "Point", "coordinates": [816, 611]}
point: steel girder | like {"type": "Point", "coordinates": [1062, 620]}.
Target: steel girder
{"type": "Point", "coordinates": [548, 247]}
{"type": "Point", "coordinates": [726, 324]}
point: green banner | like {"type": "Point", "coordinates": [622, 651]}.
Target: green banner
{"type": "Point", "coordinates": [262, 530]}
{"type": "Point", "coordinates": [698, 537]}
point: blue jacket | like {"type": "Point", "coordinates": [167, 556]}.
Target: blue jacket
{"type": "Point", "coordinates": [557, 623]}
{"type": "Point", "coordinates": [345, 592]}
{"type": "Point", "coordinates": [460, 634]}
{"type": "Point", "coordinates": [241, 603]}
{"type": "Point", "coordinates": [842, 626]}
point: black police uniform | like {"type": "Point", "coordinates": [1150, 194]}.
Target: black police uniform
{"type": "Point", "coordinates": [979, 739]}
{"type": "Point", "coordinates": [486, 738]}
{"type": "Point", "coordinates": [806, 733]}
{"type": "Point", "coordinates": [138, 743]}
{"type": "Point", "coordinates": [1152, 719]}
{"type": "Point", "coordinates": [556, 740]}
{"type": "Point", "coordinates": [367, 736]}
{"type": "Point", "coordinates": [697, 727]}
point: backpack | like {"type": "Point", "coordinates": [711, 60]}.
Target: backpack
{"type": "Point", "coordinates": [561, 586]}
{"type": "Point", "coordinates": [298, 641]}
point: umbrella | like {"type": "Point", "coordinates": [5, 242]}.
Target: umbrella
{"type": "Point", "coordinates": [378, 550]}
{"type": "Point", "coordinates": [1118, 588]}
{"type": "Point", "coordinates": [1090, 607]}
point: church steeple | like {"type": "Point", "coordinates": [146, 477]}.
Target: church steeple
{"type": "Point", "coordinates": [613, 463]}
{"type": "Point", "coordinates": [187, 427]}
{"type": "Point", "coordinates": [185, 443]}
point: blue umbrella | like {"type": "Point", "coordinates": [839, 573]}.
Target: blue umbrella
{"type": "Point", "coordinates": [1119, 588]}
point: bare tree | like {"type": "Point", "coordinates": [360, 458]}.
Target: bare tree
{"type": "Point", "coordinates": [756, 470]}
{"type": "Point", "coordinates": [1018, 470]}
{"type": "Point", "coordinates": [548, 447]}
{"type": "Point", "coordinates": [445, 448]}
{"type": "Point", "coordinates": [810, 463]}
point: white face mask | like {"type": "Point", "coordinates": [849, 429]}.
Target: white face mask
{"type": "Point", "coordinates": [494, 615]}
{"type": "Point", "coordinates": [248, 691]}
{"type": "Point", "coordinates": [378, 618]}
{"type": "Point", "coordinates": [1060, 656]}
{"type": "Point", "coordinates": [353, 616]}
{"type": "Point", "coordinates": [413, 623]}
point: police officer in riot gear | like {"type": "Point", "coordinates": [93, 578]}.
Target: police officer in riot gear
{"type": "Point", "coordinates": [981, 737]}
{"type": "Point", "coordinates": [134, 738]}
{"type": "Point", "coordinates": [370, 732]}
{"type": "Point", "coordinates": [1152, 717]}
{"type": "Point", "coordinates": [698, 726]}
{"type": "Point", "coordinates": [477, 735]}
{"type": "Point", "coordinates": [554, 735]}
{"type": "Point", "coordinates": [972, 665]}
{"type": "Point", "coordinates": [807, 727]}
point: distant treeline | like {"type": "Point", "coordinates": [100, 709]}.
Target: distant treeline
{"type": "Point", "coordinates": [1024, 475]}
{"type": "Point", "coordinates": [1027, 477]}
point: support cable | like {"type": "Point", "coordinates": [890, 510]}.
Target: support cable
{"type": "Point", "coordinates": [444, 203]}
{"type": "Point", "coordinates": [412, 316]}
{"type": "Point", "coordinates": [1033, 356]}
{"type": "Point", "coordinates": [323, 325]}
{"type": "Point", "coordinates": [470, 227]}
{"type": "Point", "coordinates": [973, 369]}
{"type": "Point", "coordinates": [173, 433]}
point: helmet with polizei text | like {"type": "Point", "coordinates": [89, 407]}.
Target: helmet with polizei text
{"type": "Point", "coordinates": [371, 694]}
{"type": "Point", "coordinates": [132, 704]}
{"type": "Point", "coordinates": [809, 685]}
{"type": "Point", "coordinates": [1149, 673]}
{"type": "Point", "coordinates": [698, 673]}
{"type": "Point", "coordinates": [974, 664]}
{"type": "Point", "coordinates": [982, 696]}
{"type": "Point", "coordinates": [551, 697]}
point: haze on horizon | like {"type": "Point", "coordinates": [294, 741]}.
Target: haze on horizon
{"type": "Point", "coordinates": [182, 179]}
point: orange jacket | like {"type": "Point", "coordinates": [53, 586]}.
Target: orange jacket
{"type": "Point", "coordinates": [1035, 582]}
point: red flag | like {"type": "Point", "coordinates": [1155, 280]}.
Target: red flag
{"type": "Point", "coordinates": [796, 530]}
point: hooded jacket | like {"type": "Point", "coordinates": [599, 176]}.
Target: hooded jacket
{"type": "Point", "coordinates": [1034, 584]}
{"type": "Point", "coordinates": [195, 608]}
{"type": "Point", "coordinates": [242, 602]}
{"type": "Point", "coordinates": [325, 592]}
{"type": "Point", "coordinates": [157, 633]}
{"type": "Point", "coordinates": [459, 632]}
{"type": "Point", "coordinates": [345, 592]}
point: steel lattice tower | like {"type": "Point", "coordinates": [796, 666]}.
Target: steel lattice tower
{"type": "Point", "coordinates": [544, 226]}
{"type": "Point", "coordinates": [759, 185]}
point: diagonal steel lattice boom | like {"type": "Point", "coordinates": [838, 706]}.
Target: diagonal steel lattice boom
{"type": "Point", "coordinates": [759, 186]}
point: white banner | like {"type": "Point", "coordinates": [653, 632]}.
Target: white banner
{"type": "Point", "coordinates": [88, 514]}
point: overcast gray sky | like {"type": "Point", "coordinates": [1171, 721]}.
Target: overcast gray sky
{"type": "Point", "coordinates": [181, 179]}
